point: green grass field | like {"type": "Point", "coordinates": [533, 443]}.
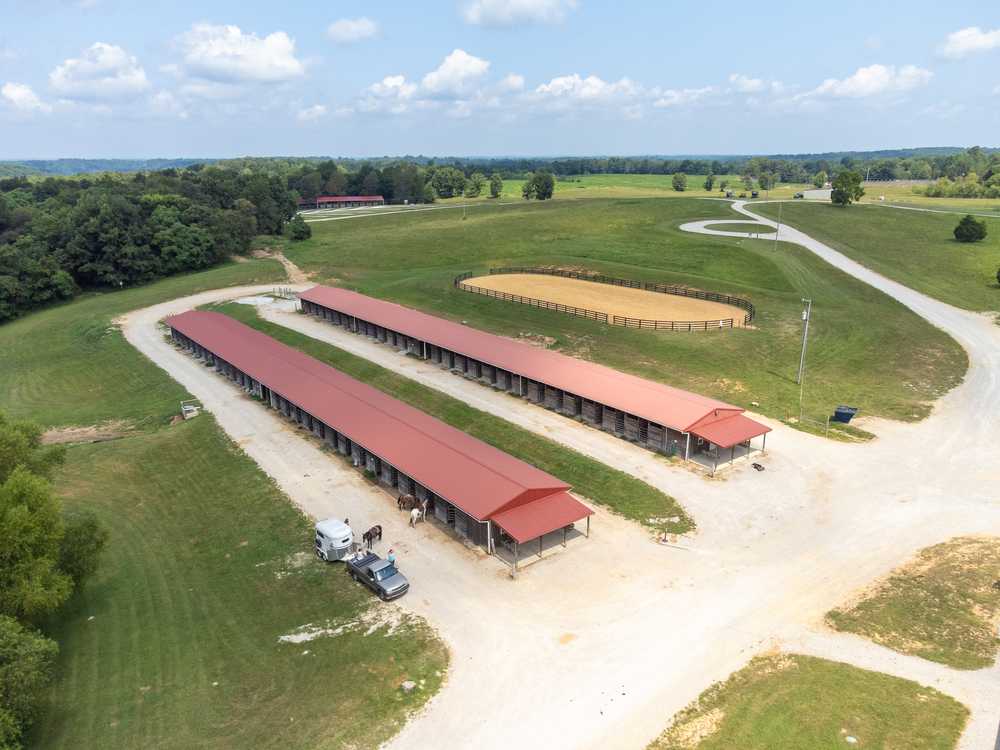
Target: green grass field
{"type": "Point", "coordinates": [792, 702]}
{"type": "Point", "coordinates": [894, 368]}
{"type": "Point", "coordinates": [69, 365]}
{"type": "Point", "coordinates": [913, 247]}
{"type": "Point", "coordinates": [207, 564]}
{"type": "Point", "coordinates": [643, 186]}
{"type": "Point", "coordinates": [175, 644]}
{"type": "Point", "coordinates": [622, 493]}
{"type": "Point", "coordinates": [941, 606]}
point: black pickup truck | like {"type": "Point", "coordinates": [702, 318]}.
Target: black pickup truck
{"type": "Point", "coordinates": [377, 574]}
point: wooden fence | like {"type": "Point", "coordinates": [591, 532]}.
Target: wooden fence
{"type": "Point", "coordinates": [617, 320]}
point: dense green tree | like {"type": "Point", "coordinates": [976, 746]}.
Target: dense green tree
{"type": "Point", "coordinates": [528, 188]}
{"type": "Point", "coordinates": [747, 181]}
{"type": "Point", "coordinates": [545, 185]}
{"type": "Point", "coordinates": [765, 180]}
{"type": "Point", "coordinates": [709, 181]}
{"type": "Point", "coordinates": [819, 179]}
{"type": "Point", "coordinates": [496, 185]}
{"type": "Point", "coordinates": [31, 531]}
{"type": "Point", "coordinates": [87, 538]}
{"type": "Point", "coordinates": [970, 229]}
{"type": "Point", "coordinates": [448, 182]}
{"type": "Point", "coordinates": [847, 188]}
{"type": "Point", "coordinates": [299, 229]}
{"type": "Point", "coordinates": [474, 187]}
{"type": "Point", "coordinates": [27, 660]}
{"type": "Point", "coordinates": [679, 182]}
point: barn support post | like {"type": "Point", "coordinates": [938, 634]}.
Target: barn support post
{"type": "Point", "coordinates": [564, 535]}
{"type": "Point", "coordinates": [513, 573]}
{"type": "Point", "coordinates": [588, 527]}
{"type": "Point", "coordinates": [489, 537]}
{"type": "Point", "coordinates": [540, 544]}
{"type": "Point", "coordinates": [687, 447]}
{"type": "Point", "coordinates": [732, 454]}
{"type": "Point", "coordinates": [763, 448]}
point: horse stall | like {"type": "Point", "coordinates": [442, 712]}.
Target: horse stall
{"type": "Point", "coordinates": [535, 391]}
{"type": "Point", "coordinates": [656, 437]}
{"type": "Point", "coordinates": [571, 405]}
{"type": "Point", "coordinates": [388, 475]}
{"type": "Point", "coordinates": [553, 397]}
{"type": "Point", "coordinates": [343, 445]}
{"type": "Point", "coordinates": [632, 428]}
{"type": "Point", "coordinates": [592, 412]}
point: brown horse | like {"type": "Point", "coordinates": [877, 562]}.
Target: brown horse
{"type": "Point", "coordinates": [406, 502]}
{"type": "Point", "coordinates": [371, 536]}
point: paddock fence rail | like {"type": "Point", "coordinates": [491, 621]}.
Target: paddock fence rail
{"type": "Point", "coordinates": [460, 282]}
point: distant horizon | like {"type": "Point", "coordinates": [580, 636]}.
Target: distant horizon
{"type": "Point", "coordinates": [496, 157]}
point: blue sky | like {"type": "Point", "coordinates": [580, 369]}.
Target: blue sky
{"type": "Point", "coordinates": [110, 78]}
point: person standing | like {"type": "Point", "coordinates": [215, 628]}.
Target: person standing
{"type": "Point", "coordinates": [391, 557]}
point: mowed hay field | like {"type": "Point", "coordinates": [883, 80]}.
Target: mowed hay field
{"type": "Point", "coordinates": [606, 298]}
{"type": "Point", "coordinates": [793, 702]}
{"type": "Point", "coordinates": [865, 349]}
{"type": "Point", "coordinates": [175, 644]}
{"type": "Point", "coordinates": [916, 248]}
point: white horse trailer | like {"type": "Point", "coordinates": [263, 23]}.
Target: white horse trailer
{"type": "Point", "coordinates": [334, 540]}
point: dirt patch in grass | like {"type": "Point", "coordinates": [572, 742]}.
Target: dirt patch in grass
{"type": "Point", "coordinates": [944, 605]}
{"type": "Point", "coordinates": [97, 433]}
{"type": "Point", "coordinates": [798, 702]}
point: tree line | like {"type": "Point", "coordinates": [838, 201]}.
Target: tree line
{"type": "Point", "coordinates": [61, 236]}
{"type": "Point", "coordinates": [46, 554]}
{"type": "Point", "coordinates": [399, 182]}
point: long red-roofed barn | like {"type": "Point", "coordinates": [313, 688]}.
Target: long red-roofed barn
{"type": "Point", "coordinates": [341, 201]}
{"type": "Point", "coordinates": [655, 415]}
{"type": "Point", "coordinates": [472, 486]}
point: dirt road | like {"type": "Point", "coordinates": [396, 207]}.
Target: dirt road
{"type": "Point", "coordinates": [599, 646]}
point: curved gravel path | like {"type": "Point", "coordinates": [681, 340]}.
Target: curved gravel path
{"type": "Point", "coordinates": [599, 646]}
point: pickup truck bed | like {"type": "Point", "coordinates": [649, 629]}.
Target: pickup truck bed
{"type": "Point", "coordinates": [377, 574]}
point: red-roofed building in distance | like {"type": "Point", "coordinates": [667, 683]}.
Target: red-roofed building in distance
{"type": "Point", "coordinates": [473, 488]}
{"type": "Point", "coordinates": [341, 201]}
{"type": "Point", "coordinates": [665, 419]}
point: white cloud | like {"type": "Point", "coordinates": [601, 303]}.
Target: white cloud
{"type": "Point", "coordinates": [679, 97]}
{"type": "Point", "coordinates": [745, 84]}
{"type": "Point", "coordinates": [392, 94]}
{"type": "Point", "coordinates": [350, 30]}
{"type": "Point", "coordinates": [102, 72]}
{"type": "Point", "coordinates": [968, 41]}
{"type": "Point", "coordinates": [872, 81]}
{"type": "Point", "coordinates": [457, 73]}
{"type": "Point", "coordinates": [590, 89]}
{"type": "Point", "coordinates": [516, 12]}
{"type": "Point", "coordinates": [512, 82]}
{"type": "Point", "coordinates": [22, 98]}
{"type": "Point", "coordinates": [996, 90]}
{"type": "Point", "coordinates": [225, 54]}
{"type": "Point", "coordinates": [309, 114]}
{"type": "Point", "coordinates": [165, 104]}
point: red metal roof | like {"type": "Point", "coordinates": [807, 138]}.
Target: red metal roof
{"type": "Point", "coordinates": [529, 521]}
{"type": "Point", "coordinates": [467, 472]}
{"type": "Point", "coordinates": [656, 402]}
{"type": "Point", "coordinates": [341, 198]}
{"type": "Point", "coordinates": [730, 431]}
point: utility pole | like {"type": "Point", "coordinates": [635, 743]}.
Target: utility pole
{"type": "Point", "coordinates": [806, 315]}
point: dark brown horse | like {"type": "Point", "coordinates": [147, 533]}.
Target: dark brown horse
{"type": "Point", "coordinates": [374, 534]}
{"type": "Point", "coordinates": [406, 502]}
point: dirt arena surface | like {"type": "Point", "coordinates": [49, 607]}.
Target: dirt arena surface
{"type": "Point", "coordinates": [613, 300]}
